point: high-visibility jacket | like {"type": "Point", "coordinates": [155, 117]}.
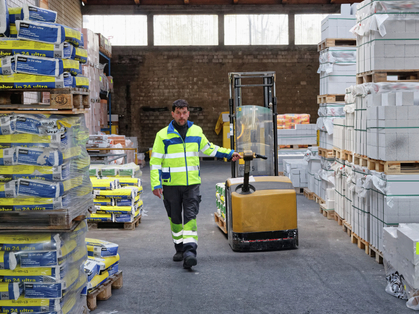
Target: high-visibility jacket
{"type": "Point", "coordinates": [175, 161]}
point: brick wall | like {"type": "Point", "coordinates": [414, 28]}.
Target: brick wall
{"type": "Point", "coordinates": [156, 77]}
{"type": "Point", "coordinates": [69, 12]}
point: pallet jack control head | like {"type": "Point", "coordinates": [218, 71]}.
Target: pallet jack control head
{"type": "Point", "coordinates": [247, 188]}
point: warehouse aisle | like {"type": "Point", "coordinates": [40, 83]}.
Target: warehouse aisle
{"type": "Point", "coordinates": [327, 274]}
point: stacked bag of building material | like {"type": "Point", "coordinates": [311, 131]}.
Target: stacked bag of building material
{"type": "Point", "coordinates": [220, 199]}
{"type": "Point", "coordinates": [43, 54]}
{"type": "Point", "coordinates": [400, 252]}
{"type": "Point", "coordinates": [102, 262]}
{"type": "Point", "coordinates": [44, 167]}
{"type": "Point", "coordinates": [43, 272]}
{"type": "Point", "coordinates": [117, 191]}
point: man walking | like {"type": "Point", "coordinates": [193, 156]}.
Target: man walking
{"type": "Point", "coordinates": [175, 174]}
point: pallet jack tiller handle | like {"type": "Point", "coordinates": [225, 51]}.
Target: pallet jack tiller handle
{"type": "Point", "coordinates": [248, 156]}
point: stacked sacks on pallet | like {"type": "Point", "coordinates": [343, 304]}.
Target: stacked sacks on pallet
{"type": "Point", "coordinates": [43, 272]}
{"type": "Point", "coordinates": [117, 191]}
{"type": "Point", "coordinates": [44, 168]}
{"type": "Point", "coordinates": [44, 54]}
{"type": "Point", "coordinates": [220, 199]}
{"type": "Point", "coordinates": [103, 262]}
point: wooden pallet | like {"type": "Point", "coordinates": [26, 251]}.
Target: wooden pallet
{"type": "Point", "coordinates": [360, 160]}
{"type": "Point", "coordinates": [318, 199]}
{"type": "Point", "coordinates": [347, 227]}
{"type": "Point", "coordinates": [362, 244]}
{"type": "Point", "coordinates": [299, 190]}
{"type": "Point", "coordinates": [60, 219]}
{"type": "Point", "coordinates": [338, 153]}
{"type": "Point", "coordinates": [328, 213]}
{"type": "Point", "coordinates": [394, 167]}
{"type": "Point", "coordinates": [327, 99]}
{"type": "Point", "coordinates": [104, 291]}
{"type": "Point", "coordinates": [60, 99]}
{"type": "Point", "coordinates": [336, 42]}
{"type": "Point", "coordinates": [349, 156]}
{"type": "Point", "coordinates": [373, 252]}
{"type": "Point", "coordinates": [116, 225]}
{"type": "Point", "coordinates": [382, 76]}
{"type": "Point", "coordinates": [338, 219]}
{"type": "Point", "coordinates": [221, 223]}
{"type": "Point", "coordinates": [325, 153]}
{"type": "Point", "coordinates": [308, 194]}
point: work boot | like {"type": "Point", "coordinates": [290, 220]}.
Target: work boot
{"type": "Point", "coordinates": [178, 257]}
{"type": "Point", "coordinates": [189, 261]}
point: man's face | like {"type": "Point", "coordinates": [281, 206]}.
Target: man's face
{"type": "Point", "coordinates": [180, 115]}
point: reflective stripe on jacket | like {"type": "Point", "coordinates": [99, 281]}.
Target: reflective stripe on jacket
{"type": "Point", "coordinates": [175, 161]}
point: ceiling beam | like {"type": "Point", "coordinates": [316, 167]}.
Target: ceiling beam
{"type": "Point", "coordinates": [214, 2]}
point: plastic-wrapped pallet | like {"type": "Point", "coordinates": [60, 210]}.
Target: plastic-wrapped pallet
{"type": "Point", "coordinates": [296, 170]}
{"type": "Point", "coordinates": [313, 162]}
{"type": "Point", "coordinates": [327, 182]}
{"type": "Point", "coordinates": [393, 201]}
{"type": "Point", "coordinates": [392, 112]}
{"type": "Point", "coordinates": [349, 110]}
{"type": "Point", "coordinates": [339, 128]}
{"type": "Point", "coordinates": [325, 126]}
{"type": "Point", "coordinates": [303, 134]}
{"type": "Point", "coordinates": [49, 271]}
{"type": "Point", "coordinates": [220, 199]}
{"type": "Point", "coordinates": [350, 195]}
{"type": "Point", "coordinates": [337, 69]}
{"type": "Point", "coordinates": [338, 26]}
{"type": "Point", "coordinates": [386, 35]}
{"type": "Point", "coordinates": [45, 167]}
{"type": "Point", "coordinates": [400, 255]}
{"type": "Point", "coordinates": [103, 262]}
{"type": "Point", "coordinates": [361, 203]}
{"type": "Point", "coordinates": [297, 154]}
{"type": "Point", "coordinates": [340, 182]}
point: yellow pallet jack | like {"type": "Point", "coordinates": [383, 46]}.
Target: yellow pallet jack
{"type": "Point", "coordinates": [261, 210]}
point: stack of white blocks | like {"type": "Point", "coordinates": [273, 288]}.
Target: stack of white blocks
{"type": "Point", "coordinates": [313, 168]}
{"type": "Point", "coordinates": [289, 154]}
{"type": "Point", "coordinates": [343, 74]}
{"type": "Point", "coordinates": [400, 250]}
{"type": "Point", "coordinates": [340, 189]}
{"type": "Point", "coordinates": [394, 200]}
{"type": "Point", "coordinates": [386, 38]}
{"type": "Point", "coordinates": [338, 26]}
{"type": "Point", "coordinates": [296, 170]}
{"type": "Point", "coordinates": [339, 130]}
{"type": "Point", "coordinates": [360, 221]}
{"type": "Point", "coordinates": [393, 126]}
{"type": "Point", "coordinates": [325, 183]}
{"type": "Point", "coordinates": [303, 134]}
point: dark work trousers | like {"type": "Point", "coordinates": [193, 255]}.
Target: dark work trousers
{"type": "Point", "coordinates": [183, 225]}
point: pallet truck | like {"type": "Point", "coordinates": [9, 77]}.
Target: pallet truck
{"type": "Point", "coordinates": [261, 210]}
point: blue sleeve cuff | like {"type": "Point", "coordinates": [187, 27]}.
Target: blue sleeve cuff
{"type": "Point", "coordinates": [157, 187]}
{"type": "Point", "coordinates": [229, 155]}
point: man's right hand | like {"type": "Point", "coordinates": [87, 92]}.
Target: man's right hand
{"type": "Point", "coordinates": [158, 192]}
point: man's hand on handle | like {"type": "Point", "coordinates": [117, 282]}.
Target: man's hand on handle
{"type": "Point", "coordinates": [236, 156]}
{"type": "Point", "coordinates": [158, 192]}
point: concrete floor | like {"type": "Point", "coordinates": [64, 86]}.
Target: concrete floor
{"type": "Point", "coordinates": [327, 274]}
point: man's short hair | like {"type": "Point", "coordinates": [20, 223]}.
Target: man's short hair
{"type": "Point", "coordinates": [180, 103]}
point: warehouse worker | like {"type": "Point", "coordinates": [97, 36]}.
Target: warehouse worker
{"type": "Point", "coordinates": [175, 175]}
